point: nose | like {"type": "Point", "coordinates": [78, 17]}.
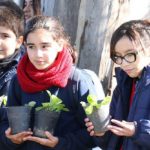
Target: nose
{"type": "Point", "coordinates": [124, 63]}
{"type": "Point", "coordinates": [39, 53]}
{"type": "Point", "coordinates": [26, 8]}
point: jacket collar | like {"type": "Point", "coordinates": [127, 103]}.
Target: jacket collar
{"type": "Point", "coordinates": [122, 77]}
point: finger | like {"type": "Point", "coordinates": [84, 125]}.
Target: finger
{"type": "Point", "coordinates": [33, 138]}
{"type": "Point", "coordinates": [116, 130]}
{"type": "Point", "coordinates": [8, 132]}
{"type": "Point", "coordinates": [92, 133]}
{"type": "Point", "coordinates": [86, 120]}
{"type": "Point", "coordinates": [119, 123]}
{"type": "Point", "coordinates": [49, 135]}
{"type": "Point", "coordinates": [23, 134]}
{"type": "Point", "coordinates": [89, 129]}
{"type": "Point", "coordinates": [88, 124]}
{"type": "Point", "coordinates": [51, 138]}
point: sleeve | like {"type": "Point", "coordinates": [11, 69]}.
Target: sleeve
{"type": "Point", "coordinates": [79, 140]}
{"type": "Point", "coordinates": [4, 121]}
{"type": "Point", "coordinates": [96, 81]}
{"type": "Point", "coordinates": [142, 133]}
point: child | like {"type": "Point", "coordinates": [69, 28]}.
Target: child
{"type": "Point", "coordinates": [130, 106]}
{"type": "Point", "coordinates": [11, 37]}
{"type": "Point", "coordinates": [48, 66]}
{"type": "Point", "coordinates": [31, 8]}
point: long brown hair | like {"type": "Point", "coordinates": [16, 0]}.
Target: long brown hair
{"type": "Point", "coordinates": [36, 5]}
{"type": "Point", "coordinates": [55, 27]}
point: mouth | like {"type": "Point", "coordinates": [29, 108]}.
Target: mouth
{"type": "Point", "coordinates": [39, 62]}
{"type": "Point", "coordinates": [26, 16]}
{"type": "Point", "coordinates": [128, 71]}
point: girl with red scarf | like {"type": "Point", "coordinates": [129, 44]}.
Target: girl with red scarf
{"type": "Point", "coordinates": [48, 65]}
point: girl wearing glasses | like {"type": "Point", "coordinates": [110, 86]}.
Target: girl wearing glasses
{"type": "Point", "coordinates": [130, 106]}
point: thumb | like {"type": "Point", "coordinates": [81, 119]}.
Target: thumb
{"type": "Point", "coordinates": [49, 135]}
{"type": "Point", "coordinates": [8, 132]}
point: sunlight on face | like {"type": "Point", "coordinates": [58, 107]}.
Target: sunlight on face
{"type": "Point", "coordinates": [8, 42]}
{"type": "Point", "coordinates": [125, 46]}
{"type": "Point", "coordinates": [42, 49]}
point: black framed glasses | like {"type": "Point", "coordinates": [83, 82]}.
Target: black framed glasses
{"type": "Point", "coordinates": [130, 58]}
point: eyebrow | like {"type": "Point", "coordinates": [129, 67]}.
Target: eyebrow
{"type": "Point", "coordinates": [128, 51]}
{"type": "Point", "coordinates": [29, 44]}
{"type": "Point", "coordinates": [45, 43]}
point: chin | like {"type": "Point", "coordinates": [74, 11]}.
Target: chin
{"type": "Point", "coordinates": [134, 75]}
{"type": "Point", "coordinates": [41, 67]}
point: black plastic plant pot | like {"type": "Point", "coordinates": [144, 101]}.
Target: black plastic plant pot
{"type": "Point", "coordinates": [19, 118]}
{"type": "Point", "coordinates": [44, 121]}
{"type": "Point", "coordinates": [100, 118]}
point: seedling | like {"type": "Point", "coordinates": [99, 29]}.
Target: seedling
{"type": "Point", "coordinates": [54, 104]}
{"type": "Point", "coordinates": [31, 104]}
{"type": "Point", "coordinates": [93, 103]}
{"type": "Point", "coordinates": [3, 100]}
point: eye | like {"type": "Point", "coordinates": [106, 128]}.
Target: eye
{"type": "Point", "coordinates": [45, 46]}
{"type": "Point", "coordinates": [30, 46]}
{"type": "Point", "coordinates": [115, 57]}
{"type": "Point", "coordinates": [31, 3]}
{"type": "Point", "coordinates": [5, 35]}
{"type": "Point", "coordinates": [25, 4]}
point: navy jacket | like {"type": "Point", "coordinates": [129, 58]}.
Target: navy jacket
{"type": "Point", "coordinates": [139, 112]}
{"type": "Point", "coordinates": [7, 73]}
{"type": "Point", "coordinates": [70, 128]}
{"type": "Point", "coordinates": [5, 77]}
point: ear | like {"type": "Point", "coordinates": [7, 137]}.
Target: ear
{"type": "Point", "coordinates": [19, 42]}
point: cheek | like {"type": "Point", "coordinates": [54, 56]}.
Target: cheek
{"type": "Point", "coordinates": [10, 48]}
{"type": "Point", "coordinates": [51, 56]}
{"type": "Point", "coordinates": [30, 54]}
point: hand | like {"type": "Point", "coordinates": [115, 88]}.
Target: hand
{"type": "Point", "coordinates": [123, 128]}
{"type": "Point", "coordinates": [17, 138]}
{"type": "Point", "coordinates": [51, 140]}
{"type": "Point", "coordinates": [90, 128]}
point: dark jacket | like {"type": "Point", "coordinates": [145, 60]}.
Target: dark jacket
{"type": "Point", "coordinates": [70, 128]}
{"type": "Point", "coordinates": [139, 112]}
{"type": "Point", "coordinates": [6, 74]}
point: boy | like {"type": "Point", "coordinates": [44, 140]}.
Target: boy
{"type": "Point", "coordinates": [11, 31]}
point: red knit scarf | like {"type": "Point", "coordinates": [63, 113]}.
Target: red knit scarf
{"type": "Point", "coordinates": [32, 80]}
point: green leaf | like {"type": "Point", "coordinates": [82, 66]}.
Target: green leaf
{"type": "Point", "coordinates": [49, 93]}
{"type": "Point", "coordinates": [89, 109]}
{"type": "Point", "coordinates": [39, 108]}
{"type": "Point", "coordinates": [31, 103]}
{"type": "Point", "coordinates": [46, 104]}
{"type": "Point", "coordinates": [55, 104]}
{"type": "Point", "coordinates": [84, 104]}
{"type": "Point", "coordinates": [55, 100]}
{"type": "Point", "coordinates": [65, 109]}
{"type": "Point", "coordinates": [106, 100]}
{"type": "Point", "coordinates": [5, 100]}
{"type": "Point", "coordinates": [92, 100]}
